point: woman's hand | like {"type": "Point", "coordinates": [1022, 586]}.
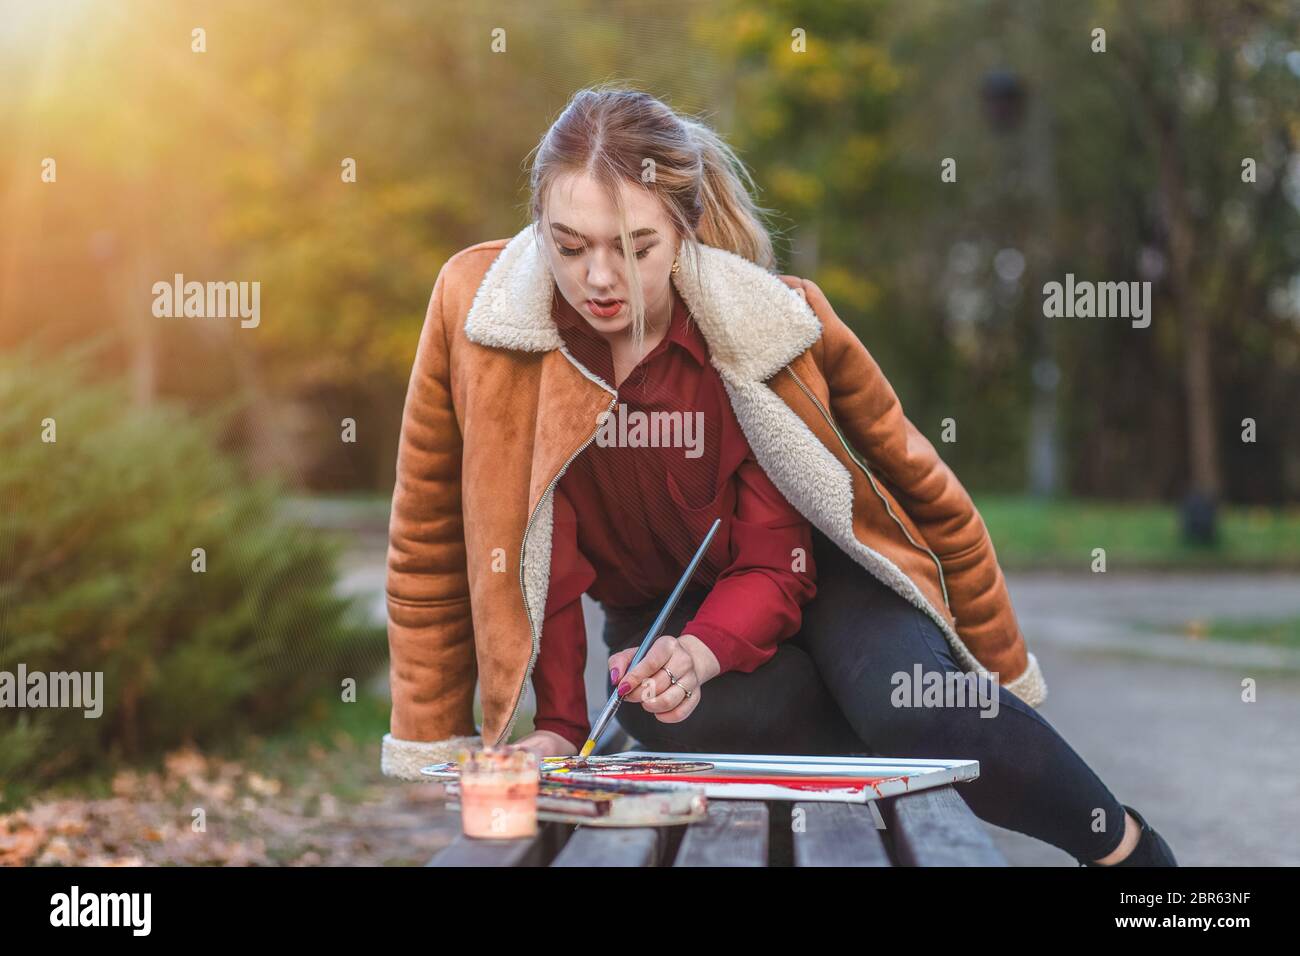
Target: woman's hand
{"type": "Point", "coordinates": [544, 743]}
{"type": "Point", "coordinates": [650, 683]}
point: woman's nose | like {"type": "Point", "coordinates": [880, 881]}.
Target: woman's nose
{"type": "Point", "coordinates": [602, 274]}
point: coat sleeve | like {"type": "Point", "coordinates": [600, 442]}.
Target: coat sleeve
{"type": "Point", "coordinates": [432, 667]}
{"type": "Point", "coordinates": [757, 601]}
{"type": "Point", "coordinates": [869, 413]}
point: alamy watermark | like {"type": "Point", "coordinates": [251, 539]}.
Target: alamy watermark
{"type": "Point", "coordinates": [639, 429]}
{"type": "Point", "coordinates": [75, 689]}
{"type": "Point", "coordinates": [946, 689]}
{"type": "Point", "coordinates": [75, 908]}
{"type": "Point", "coordinates": [211, 300]}
{"type": "Point", "coordinates": [1102, 300]}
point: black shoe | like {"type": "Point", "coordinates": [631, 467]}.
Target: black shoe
{"type": "Point", "coordinates": [1151, 849]}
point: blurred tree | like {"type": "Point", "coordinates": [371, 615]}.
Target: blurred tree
{"type": "Point", "coordinates": [1200, 78]}
{"type": "Point", "coordinates": [228, 165]}
{"type": "Point", "coordinates": [99, 573]}
{"type": "Point", "coordinates": [1130, 169]}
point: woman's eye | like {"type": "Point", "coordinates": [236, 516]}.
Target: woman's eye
{"type": "Point", "coordinates": [566, 251]}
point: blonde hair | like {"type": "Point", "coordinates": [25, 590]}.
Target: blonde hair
{"type": "Point", "coordinates": [617, 134]}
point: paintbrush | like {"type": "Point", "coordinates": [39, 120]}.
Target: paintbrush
{"type": "Point", "coordinates": [611, 706]}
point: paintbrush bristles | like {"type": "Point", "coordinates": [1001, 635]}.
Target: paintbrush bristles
{"type": "Point", "coordinates": [587, 748]}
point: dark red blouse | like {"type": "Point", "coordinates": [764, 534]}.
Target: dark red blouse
{"type": "Point", "coordinates": [628, 517]}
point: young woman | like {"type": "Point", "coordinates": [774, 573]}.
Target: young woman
{"type": "Point", "coordinates": [589, 395]}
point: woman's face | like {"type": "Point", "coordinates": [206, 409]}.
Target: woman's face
{"type": "Point", "coordinates": [580, 233]}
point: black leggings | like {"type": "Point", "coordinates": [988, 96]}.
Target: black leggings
{"type": "Point", "coordinates": [830, 689]}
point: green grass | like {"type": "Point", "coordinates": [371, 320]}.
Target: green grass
{"type": "Point", "coordinates": [1062, 534]}
{"type": "Point", "coordinates": [1283, 633]}
{"type": "Point", "coordinates": [1027, 532]}
{"type": "Point", "coordinates": [1278, 632]}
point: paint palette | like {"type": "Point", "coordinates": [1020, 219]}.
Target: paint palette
{"type": "Point", "coordinates": [630, 767]}
{"type": "Point", "coordinates": [622, 766]}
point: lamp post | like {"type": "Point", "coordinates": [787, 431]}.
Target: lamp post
{"type": "Point", "coordinates": [1004, 98]}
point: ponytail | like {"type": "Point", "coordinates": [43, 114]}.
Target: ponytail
{"type": "Point", "coordinates": [729, 217]}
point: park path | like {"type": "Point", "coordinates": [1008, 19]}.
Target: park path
{"type": "Point", "coordinates": [1158, 714]}
{"type": "Point", "coordinates": [1155, 712]}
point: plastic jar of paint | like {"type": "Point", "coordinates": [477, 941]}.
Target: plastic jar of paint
{"type": "Point", "coordinates": [498, 793]}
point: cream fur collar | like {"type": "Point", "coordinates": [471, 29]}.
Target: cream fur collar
{"type": "Point", "coordinates": [753, 322]}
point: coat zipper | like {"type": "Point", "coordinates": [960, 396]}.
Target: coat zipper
{"type": "Point", "coordinates": [870, 477]}
{"type": "Point", "coordinates": [523, 547]}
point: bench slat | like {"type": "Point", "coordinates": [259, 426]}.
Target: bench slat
{"type": "Point", "coordinates": [932, 827]}
{"type": "Point", "coordinates": [935, 827]}
{"type": "Point", "coordinates": [735, 834]}
{"type": "Point", "coordinates": [610, 846]}
{"type": "Point", "coordinates": [526, 851]}
{"type": "Point", "coordinates": [837, 834]}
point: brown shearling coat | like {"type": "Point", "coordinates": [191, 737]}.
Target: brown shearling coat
{"type": "Point", "coordinates": [497, 408]}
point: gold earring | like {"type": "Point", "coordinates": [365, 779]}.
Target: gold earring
{"type": "Point", "coordinates": [676, 265]}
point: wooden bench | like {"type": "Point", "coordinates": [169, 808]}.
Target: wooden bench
{"type": "Point", "coordinates": [931, 827]}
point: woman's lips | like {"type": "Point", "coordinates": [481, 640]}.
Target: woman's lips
{"type": "Point", "coordinates": [608, 310]}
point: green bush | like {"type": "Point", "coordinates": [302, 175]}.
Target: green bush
{"type": "Point", "coordinates": [97, 531]}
